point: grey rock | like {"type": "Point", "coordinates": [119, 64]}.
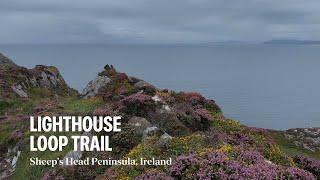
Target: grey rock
{"type": "Point", "coordinates": [133, 79]}
{"type": "Point", "coordinates": [19, 90]}
{"type": "Point", "coordinates": [95, 86]}
{"type": "Point", "coordinates": [76, 155]}
{"type": "Point", "coordinates": [72, 155]}
{"type": "Point", "coordinates": [15, 159]}
{"type": "Point", "coordinates": [151, 131]}
{"type": "Point", "coordinates": [9, 161]}
{"type": "Point", "coordinates": [141, 84]}
{"type": "Point", "coordinates": [164, 140]}
{"type": "Point", "coordinates": [308, 138]}
{"type": "Point", "coordinates": [139, 124]}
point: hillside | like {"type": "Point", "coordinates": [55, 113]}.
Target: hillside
{"type": "Point", "coordinates": [156, 123]}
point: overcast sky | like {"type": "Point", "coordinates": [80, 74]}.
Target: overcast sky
{"type": "Point", "coordinates": [157, 21]}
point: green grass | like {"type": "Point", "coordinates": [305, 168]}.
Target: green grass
{"type": "Point", "coordinates": [25, 171]}
{"type": "Point", "coordinates": [228, 125]}
{"type": "Point", "coordinates": [4, 105]}
{"type": "Point", "coordinates": [26, 106]}
{"type": "Point", "coordinates": [77, 105]}
{"type": "Point", "coordinates": [290, 148]}
{"type": "Point", "coordinates": [5, 132]}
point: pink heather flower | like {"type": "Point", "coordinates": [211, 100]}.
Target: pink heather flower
{"type": "Point", "coordinates": [154, 175]}
{"type": "Point", "coordinates": [241, 164]}
{"type": "Point", "coordinates": [203, 113]}
{"type": "Point", "coordinates": [193, 97]}
{"type": "Point", "coordinates": [137, 98]}
{"type": "Point", "coordinates": [103, 112]}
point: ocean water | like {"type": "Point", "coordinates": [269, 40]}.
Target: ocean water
{"type": "Point", "coordinates": [268, 86]}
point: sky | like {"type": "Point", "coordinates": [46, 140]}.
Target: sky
{"type": "Point", "coordinates": [157, 21]}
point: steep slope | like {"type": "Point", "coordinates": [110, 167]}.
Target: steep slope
{"type": "Point", "coordinates": [6, 62]}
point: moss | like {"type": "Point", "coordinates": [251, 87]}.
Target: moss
{"type": "Point", "coordinates": [75, 105]}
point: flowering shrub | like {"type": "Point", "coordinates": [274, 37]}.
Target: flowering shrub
{"type": "Point", "coordinates": [52, 174]}
{"type": "Point", "coordinates": [228, 125]}
{"type": "Point", "coordinates": [186, 144]}
{"type": "Point", "coordinates": [103, 112]}
{"type": "Point", "coordinates": [195, 119]}
{"type": "Point", "coordinates": [112, 173]}
{"type": "Point", "coordinates": [137, 98]}
{"type": "Point", "coordinates": [198, 101]}
{"type": "Point", "coordinates": [204, 114]}
{"type": "Point", "coordinates": [125, 140]}
{"type": "Point", "coordinates": [154, 175]}
{"type": "Point", "coordinates": [122, 90]}
{"type": "Point", "coordinates": [240, 164]}
{"type": "Point", "coordinates": [193, 97]}
{"type": "Point", "coordinates": [308, 164]}
{"type": "Point", "coordinates": [121, 76]}
{"type": "Point", "coordinates": [138, 104]}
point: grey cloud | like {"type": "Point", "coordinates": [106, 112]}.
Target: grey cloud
{"type": "Point", "coordinates": [165, 21]}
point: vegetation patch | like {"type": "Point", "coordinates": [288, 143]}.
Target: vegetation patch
{"type": "Point", "coordinates": [77, 105]}
{"type": "Point", "coordinates": [4, 105]}
{"type": "Point", "coordinates": [290, 148]}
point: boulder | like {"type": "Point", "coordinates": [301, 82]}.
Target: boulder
{"type": "Point", "coordinates": [95, 86]}
{"type": "Point", "coordinates": [146, 87]}
{"type": "Point", "coordinates": [164, 140]}
{"type": "Point", "coordinates": [151, 131]}
{"type": "Point", "coordinates": [139, 124]}
{"type": "Point", "coordinates": [141, 84]}
{"type": "Point", "coordinates": [19, 90]}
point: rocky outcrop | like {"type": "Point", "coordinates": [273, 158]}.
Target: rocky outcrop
{"type": "Point", "coordinates": [8, 162]}
{"type": "Point", "coordinates": [95, 86]}
{"type": "Point", "coordinates": [17, 81]}
{"type": "Point", "coordinates": [139, 124]}
{"type": "Point", "coordinates": [6, 62]}
{"type": "Point", "coordinates": [308, 138]}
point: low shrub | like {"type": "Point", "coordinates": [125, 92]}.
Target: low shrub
{"type": "Point", "coordinates": [138, 104]}
{"type": "Point", "coordinates": [309, 164]}
{"type": "Point", "coordinates": [3, 106]}
{"type": "Point", "coordinates": [239, 164]}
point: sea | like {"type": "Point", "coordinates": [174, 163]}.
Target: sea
{"type": "Point", "coordinates": [267, 86]}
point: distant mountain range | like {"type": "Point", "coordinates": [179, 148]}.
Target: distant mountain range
{"type": "Point", "coordinates": [292, 41]}
{"type": "Point", "coordinates": [276, 41]}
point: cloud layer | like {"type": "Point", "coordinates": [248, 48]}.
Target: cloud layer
{"type": "Point", "coordinates": [165, 21]}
